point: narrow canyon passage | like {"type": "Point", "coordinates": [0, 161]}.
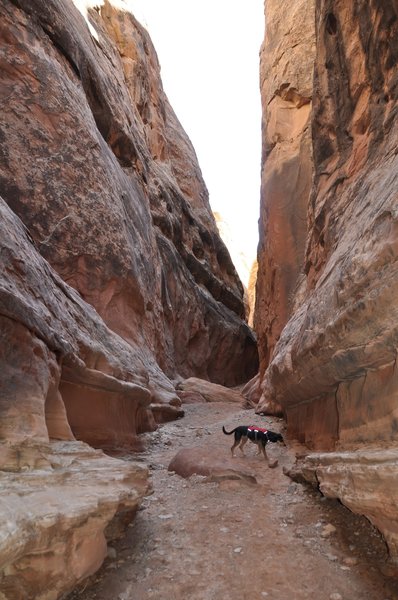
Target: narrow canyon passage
{"type": "Point", "coordinates": [229, 538]}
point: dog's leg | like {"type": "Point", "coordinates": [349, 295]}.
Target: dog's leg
{"type": "Point", "coordinates": [271, 465]}
{"type": "Point", "coordinates": [241, 445]}
{"type": "Point", "coordinates": [236, 443]}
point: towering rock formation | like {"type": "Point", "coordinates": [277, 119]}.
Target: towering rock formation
{"type": "Point", "coordinates": [333, 368]}
{"type": "Point", "coordinates": [114, 281]}
{"type": "Point", "coordinates": [287, 57]}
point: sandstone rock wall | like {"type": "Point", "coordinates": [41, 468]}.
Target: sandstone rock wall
{"type": "Point", "coordinates": [61, 500]}
{"type": "Point", "coordinates": [101, 172]}
{"type": "Point", "coordinates": [333, 369]}
{"type": "Point", "coordinates": [113, 282]}
{"type": "Point", "coordinates": [286, 68]}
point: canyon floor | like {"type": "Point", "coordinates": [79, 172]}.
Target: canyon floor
{"type": "Point", "coordinates": [232, 539]}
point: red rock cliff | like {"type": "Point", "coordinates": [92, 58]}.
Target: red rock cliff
{"type": "Point", "coordinates": [114, 281]}
{"type": "Point", "coordinates": [286, 91]}
{"type": "Point", "coordinates": [99, 169]}
{"type": "Point", "coordinates": [333, 366]}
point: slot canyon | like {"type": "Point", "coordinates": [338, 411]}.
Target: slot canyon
{"type": "Point", "coordinates": [128, 340]}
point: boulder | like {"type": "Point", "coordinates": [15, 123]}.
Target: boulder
{"type": "Point", "coordinates": [210, 392]}
{"type": "Point", "coordinates": [206, 462]}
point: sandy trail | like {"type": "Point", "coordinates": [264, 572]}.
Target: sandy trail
{"type": "Point", "coordinates": [236, 541]}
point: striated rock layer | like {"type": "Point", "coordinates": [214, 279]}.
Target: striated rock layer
{"type": "Point", "coordinates": [333, 369]}
{"type": "Point", "coordinates": [287, 56]}
{"type": "Point", "coordinates": [62, 369]}
{"type": "Point", "coordinates": [56, 522]}
{"type": "Point", "coordinates": [113, 282]}
{"type": "Point", "coordinates": [98, 168]}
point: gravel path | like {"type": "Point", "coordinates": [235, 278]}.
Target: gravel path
{"type": "Point", "coordinates": [233, 540]}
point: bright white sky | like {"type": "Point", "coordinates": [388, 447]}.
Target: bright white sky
{"type": "Point", "coordinates": [209, 56]}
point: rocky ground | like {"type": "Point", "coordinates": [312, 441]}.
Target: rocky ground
{"type": "Point", "coordinates": [218, 538]}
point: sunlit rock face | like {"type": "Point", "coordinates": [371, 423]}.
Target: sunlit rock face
{"type": "Point", "coordinates": [244, 263]}
{"type": "Point", "coordinates": [333, 369]}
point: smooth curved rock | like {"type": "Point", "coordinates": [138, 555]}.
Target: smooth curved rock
{"type": "Point", "coordinates": [333, 369]}
{"type": "Point", "coordinates": [201, 461]}
{"type": "Point", "coordinates": [364, 480]}
{"type": "Point", "coordinates": [56, 522]}
{"type": "Point", "coordinates": [99, 169]}
{"type": "Point", "coordinates": [210, 392]}
{"type": "Point", "coordinates": [287, 57]}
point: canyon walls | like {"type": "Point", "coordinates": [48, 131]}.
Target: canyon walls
{"type": "Point", "coordinates": [114, 283]}
{"type": "Point", "coordinates": [108, 184]}
{"type": "Point", "coordinates": [328, 350]}
{"type": "Point", "coordinates": [287, 57]}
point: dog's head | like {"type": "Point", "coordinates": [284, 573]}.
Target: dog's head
{"type": "Point", "coordinates": [275, 437]}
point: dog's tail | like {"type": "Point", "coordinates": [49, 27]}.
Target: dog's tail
{"type": "Point", "coordinates": [227, 432]}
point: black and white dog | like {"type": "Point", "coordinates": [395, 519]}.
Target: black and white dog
{"type": "Point", "coordinates": [257, 435]}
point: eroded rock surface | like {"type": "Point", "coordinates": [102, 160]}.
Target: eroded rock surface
{"type": "Point", "coordinates": [364, 480]}
{"type": "Point", "coordinates": [98, 168]}
{"type": "Point", "coordinates": [113, 282]}
{"type": "Point", "coordinates": [56, 522]}
{"type": "Point", "coordinates": [59, 497]}
{"type": "Point", "coordinates": [333, 369]}
{"type": "Point", "coordinates": [287, 57]}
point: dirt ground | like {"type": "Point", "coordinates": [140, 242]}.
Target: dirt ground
{"type": "Point", "coordinates": [235, 540]}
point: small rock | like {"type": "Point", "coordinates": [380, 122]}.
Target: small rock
{"type": "Point", "coordinates": [112, 553]}
{"type": "Point", "coordinates": [237, 550]}
{"type": "Point", "coordinates": [345, 568]}
{"type": "Point", "coordinates": [165, 517]}
{"type": "Point", "coordinates": [328, 530]}
{"type": "Point", "coordinates": [350, 561]}
{"type": "Point", "coordinates": [289, 519]}
{"type": "Point", "coordinates": [331, 557]}
{"type": "Point", "coordinates": [224, 529]}
{"type": "Point", "coordinates": [335, 596]}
